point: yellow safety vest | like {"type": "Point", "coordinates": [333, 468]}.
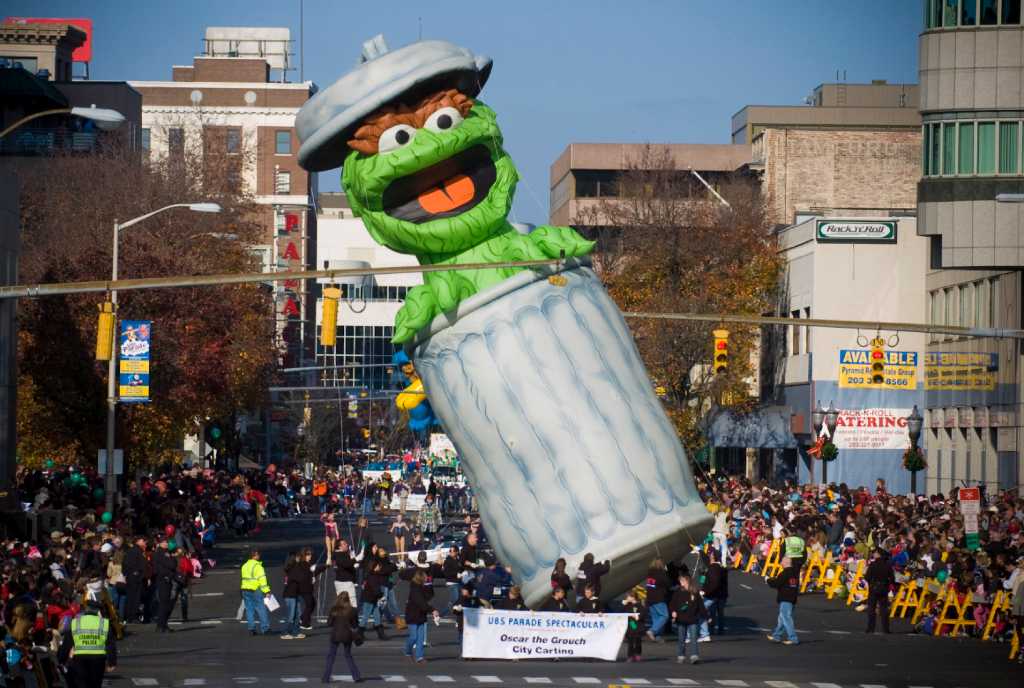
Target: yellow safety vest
{"type": "Point", "coordinates": [89, 633]}
{"type": "Point", "coordinates": [253, 576]}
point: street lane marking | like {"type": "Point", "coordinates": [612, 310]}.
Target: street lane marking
{"type": "Point", "coordinates": [194, 682]}
{"type": "Point", "coordinates": [338, 677]}
{"type": "Point", "coordinates": [144, 682]}
{"type": "Point", "coordinates": [863, 685]}
{"type": "Point", "coordinates": [441, 679]}
{"type": "Point", "coordinates": [681, 681]}
{"type": "Point", "coordinates": [639, 681]}
{"type": "Point", "coordinates": [731, 682]}
{"type": "Point", "coordinates": [780, 684]}
{"type": "Point", "coordinates": [839, 632]}
{"type": "Point", "coordinates": [537, 679]}
{"type": "Point", "coordinates": [210, 622]}
{"type": "Point", "coordinates": [206, 594]}
{"type": "Point", "coordinates": [745, 586]}
{"type": "Point", "coordinates": [585, 679]}
{"type": "Point", "coordinates": [487, 679]}
{"type": "Point", "coordinates": [388, 678]}
{"type": "Point", "coordinates": [826, 685]}
{"type": "Point", "coordinates": [244, 680]}
{"type": "Point", "coordinates": [293, 679]}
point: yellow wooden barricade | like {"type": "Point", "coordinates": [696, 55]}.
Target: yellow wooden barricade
{"type": "Point", "coordinates": [1000, 603]}
{"type": "Point", "coordinates": [908, 598]}
{"type": "Point", "coordinates": [773, 564]}
{"type": "Point", "coordinates": [930, 591]}
{"type": "Point", "coordinates": [751, 561]}
{"type": "Point", "coordinates": [858, 586]}
{"type": "Point", "coordinates": [835, 583]}
{"type": "Point", "coordinates": [1014, 646]}
{"type": "Point", "coordinates": [737, 561]}
{"type": "Point", "coordinates": [816, 568]}
{"type": "Point", "coordinates": [954, 613]}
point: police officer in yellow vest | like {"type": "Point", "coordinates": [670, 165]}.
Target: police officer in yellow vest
{"type": "Point", "coordinates": [795, 547]}
{"type": "Point", "coordinates": [87, 648]}
{"type": "Point", "coordinates": [254, 591]}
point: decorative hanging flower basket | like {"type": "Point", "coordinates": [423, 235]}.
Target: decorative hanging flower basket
{"type": "Point", "coordinates": [913, 460]}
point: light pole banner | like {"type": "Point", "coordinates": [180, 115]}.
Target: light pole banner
{"type": "Point", "coordinates": [133, 361]}
{"type": "Point", "coordinates": [494, 634]}
{"type": "Point", "coordinates": [872, 428]}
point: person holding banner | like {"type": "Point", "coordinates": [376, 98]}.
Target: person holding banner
{"type": "Point", "coordinates": [556, 603]}
{"type": "Point", "coordinates": [514, 601]}
{"type": "Point", "coordinates": [635, 628]}
{"type": "Point", "coordinates": [687, 613]}
{"type": "Point", "coordinates": [589, 604]}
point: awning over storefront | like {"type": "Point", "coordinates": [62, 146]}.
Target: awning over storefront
{"type": "Point", "coordinates": [766, 427]}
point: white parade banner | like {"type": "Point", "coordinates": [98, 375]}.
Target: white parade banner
{"type": "Point", "coordinates": [872, 428]}
{"type": "Point", "coordinates": [496, 634]}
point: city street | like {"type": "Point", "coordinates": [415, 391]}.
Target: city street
{"type": "Point", "coordinates": [214, 649]}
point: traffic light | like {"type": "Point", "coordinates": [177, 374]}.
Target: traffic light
{"type": "Point", "coordinates": [721, 355]}
{"type": "Point", "coordinates": [214, 434]}
{"type": "Point", "coordinates": [329, 319]}
{"type": "Point", "coordinates": [877, 361]}
{"type": "Point", "coordinates": [105, 332]}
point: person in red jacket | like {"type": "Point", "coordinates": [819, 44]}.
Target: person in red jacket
{"type": "Point", "coordinates": [183, 582]}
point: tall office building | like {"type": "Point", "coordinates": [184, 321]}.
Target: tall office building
{"type": "Point", "coordinates": [971, 65]}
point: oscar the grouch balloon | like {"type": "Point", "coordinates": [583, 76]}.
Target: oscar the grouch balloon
{"type": "Point", "coordinates": [532, 372]}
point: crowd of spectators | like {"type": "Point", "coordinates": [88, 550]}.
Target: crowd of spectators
{"type": "Point", "coordinates": [923, 536]}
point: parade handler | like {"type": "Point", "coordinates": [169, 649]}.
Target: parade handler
{"type": "Point", "coordinates": [532, 372]}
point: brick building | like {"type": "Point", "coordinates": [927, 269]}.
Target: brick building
{"type": "Point", "coordinates": [235, 97]}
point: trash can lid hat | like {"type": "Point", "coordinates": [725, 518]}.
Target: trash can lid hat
{"type": "Point", "coordinates": [327, 121]}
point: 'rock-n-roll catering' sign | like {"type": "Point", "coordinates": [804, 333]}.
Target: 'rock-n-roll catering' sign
{"type": "Point", "coordinates": [856, 231]}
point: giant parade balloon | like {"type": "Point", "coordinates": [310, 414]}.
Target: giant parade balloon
{"type": "Point", "coordinates": [533, 373]}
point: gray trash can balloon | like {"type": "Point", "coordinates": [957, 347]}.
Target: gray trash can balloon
{"type": "Point", "coordinates": [532, 372]}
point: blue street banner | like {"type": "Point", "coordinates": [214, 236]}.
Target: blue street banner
{"type": "Point", "coordinates": [133, 361]}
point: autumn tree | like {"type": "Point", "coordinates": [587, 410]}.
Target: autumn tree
{"type": "Point", "coordinates": [666, 244]}
{"type": "Point", "coordinates": [213, 348]}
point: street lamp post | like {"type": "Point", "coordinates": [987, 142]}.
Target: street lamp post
{"type": "Point", "coordinates": [111, 477]}
{"type": "Point", "coordinates": [817, 421]}
{"type": "Point", "coordinates": [105, 119]}
{"type": "Point", "coordinates": [914, 422]}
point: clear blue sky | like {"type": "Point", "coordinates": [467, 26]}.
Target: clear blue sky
{"type": "Point", "coordinates": [580, 71]}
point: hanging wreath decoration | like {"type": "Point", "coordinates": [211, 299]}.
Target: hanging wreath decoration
{"type": "Point", "coordinates": [823, 449]}
{"type": "Point", "coordinates": [913, 460]}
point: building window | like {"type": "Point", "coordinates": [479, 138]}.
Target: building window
{"type": "Point", "coordinates": [233, 140]}
{"type": "Point", "coordinates": [968, 10]}
{"type": "Point", "coordinates": [29, 64]}
{"type": "Point", "coordinates": [989, 15]}
{"type": "Point", "coordinates": [807, 332]}
{"type": "Point", "coordinates": [966, 163]}
{"type": "Point", "coordinates": [936, 147]}
{"type": "Point", "coordinates": [948, 148]}
{"type": "Point", "coordinates": [926, 131]}
{"type": "Point", "coordinates": [283, 143]}
{"type": "Point", "coordinates": [982, 290]}
{"type": "Point", "coordinates": [795, 351]}
{"type": "Point", "coordinates": [1008, 147]}
{"type": "Point", "coordinates": [176, 142]}
{"type": "Point", "coordinates": [993, 304]}
{"type": "Point", "coordinates": [986, 147]}
{"type": "Point", "coordinates": [949, 12]}
{"type": "Point", "coordinates": [966, 304]}
{"type": "Point", "coordinates": [951, 304]}
{"type": "Point", "coordinates": [596, 184]}
{"type": "Point", "coordinates": [1011, 12]}
{"type": "Point", "coordinates": [145, 138]}
{"type": "Point", "coordinates": [283, 182]}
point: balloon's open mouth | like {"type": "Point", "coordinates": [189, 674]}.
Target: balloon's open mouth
{"type": "Point", "coordinates": [448, 188]}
